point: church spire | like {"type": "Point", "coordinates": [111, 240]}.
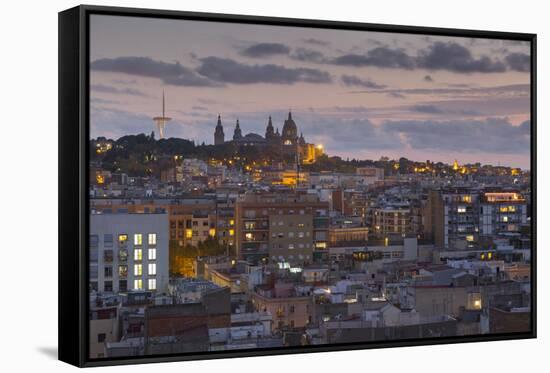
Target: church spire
{"type": "Point", "coordinates": [301, 139]}
{"type": "Point", "coordinates": [237, 134]}
{"type": "Point", "coordinates": [269, 131]}
{"type": "Point", "coordinates": [219, 136]}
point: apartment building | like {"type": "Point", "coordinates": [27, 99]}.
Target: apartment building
{"type": "Point", "coordinates": [391, 220]}
{"type": "Point", "coordinates": [128, 252]}
{"type": "Point", "coordinates": [291, 228]}
{"type": "Point", "coordinates": [502, 212]}
{"type": "Point", "coordinates": [457, 218]}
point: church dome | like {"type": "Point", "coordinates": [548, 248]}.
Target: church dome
{"type": "Point", "coordinates": [290, 131]}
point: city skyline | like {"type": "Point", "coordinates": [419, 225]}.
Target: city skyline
{"type": "Point", "coordinates": [264, 238]}
{"type": "Point", "coordinates": [362, 95]}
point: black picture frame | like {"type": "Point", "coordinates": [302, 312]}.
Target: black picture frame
{"type": "Point", "coordinates": [74, 180]}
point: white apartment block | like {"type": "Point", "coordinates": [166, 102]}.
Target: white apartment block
{"type": "Point", "coordinates": [502, 213]}
{"type": "Point", "coordinates": [129, 252]}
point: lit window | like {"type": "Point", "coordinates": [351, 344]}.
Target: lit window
{"type": "Point", "coordinates": [152, 254]}
{"type": "Point", "coordinates": [212, 232]}
{"type": "Point", "coordinates": [505, 219]}
{"type": "Point", "coordinates": [291, 246]}
{"type": "Point", "coordinates": [138, 284]}
{"type": "Point", "coordinates": [231, 232]}
{"type": "Point", "coordinates": [137, 254]}
{"type": "Point", "coordinates": [231, 222]}
{"type": "Point", "coordinates": [301, 234]}
{"type": "Point", "coordinates": [138, 239]}
{"type": "Point", "coordinates": [123, 271]}
{"type": "Point", "coordinates": [152, 270]}
{"type": "Point", "coordinates": [152, 239]}
{"type": "Point", "coordinates": [122, 238]}
{"type": "Point", "coordinates": [138, 270]}
{"type": "Point", "coordinates": [188, 233]}
{"type": "Point", "coordinates": [461, 209]}
{"type": "Point", "coordinates": [248, 236]}
{"type": "Point", "coordinates": [152, 284]}
{"type": "Point", "coordinates": [470, 238]}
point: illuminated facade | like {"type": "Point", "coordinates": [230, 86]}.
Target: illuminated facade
{"type": "Point", "coordinates": [128, 252]}
{"type": "Point", "coordinates": [452, 217]}
{"type": "Point", "coordinates": [502, 212]}
{"type": "Point", "coordinates": [457, 218]}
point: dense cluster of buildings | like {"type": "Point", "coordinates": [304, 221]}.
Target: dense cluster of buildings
{"type": "Point", "coordinates": [210, 258]}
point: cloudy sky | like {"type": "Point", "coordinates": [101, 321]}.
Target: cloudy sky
{"type": "Point", "coordinates": [360, 94]}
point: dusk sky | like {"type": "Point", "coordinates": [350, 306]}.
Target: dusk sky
{"type": "Point", "coordinates": [361, 94]}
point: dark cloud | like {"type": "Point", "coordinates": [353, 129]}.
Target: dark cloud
{"type": "Point", "coordinates": [457, 58]}
{"type": "Point", "coordinates": [449, 56]}
{"type": "Point", "coordinates": [518, 90]}
{"type": "Point", "coordinates": [519, 62]}
{"type": "Point", "coordinates": [117, 91]}
{"type": "Point", "coordinates": [229, 71]}
{"type": "Point", "coordinates": [316, 41]}
{"type": "Point", "coordinates": [395, 95]}
{"type": "Point", "coordinates": [380, 57]}
{"type": "Point", "coordinates": [428, 78]}
{"type": "Point", "coordinates": [458, 85]}
{"type": "Point", "coordinates": [352, 80]}
{"type": "Point", "coordinates": [169, 73]}
{"type": "Point", "coordinates": [495, 135]}
{"type": "Point", "coordinates": [344, 135]}
{"type": "Point", "coordinates": [350, 109]}
{"type": "Point", "coordinates": [265, 50]}
{"type": "Point", "coordinates": [308, 55]}
{"type": "Point", "coordinates": [427, 109]}
{"type": "Point", "coordinates": [443, 109]}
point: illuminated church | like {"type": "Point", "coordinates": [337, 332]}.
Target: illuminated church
{"type": "Point", "coordinates": [288, 140]}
